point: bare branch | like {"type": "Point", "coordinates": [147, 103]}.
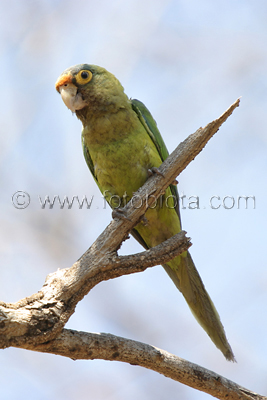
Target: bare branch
{"type": "Point", "coordinates": [24, 321]}
{"type": "Point", "coordinates": [90, 346]}
{"type": "Point", "coordinates": [36, 322]}
{"type": "Point", "coordinates": [160, 254]}
{"type": "Point", "coordinates": [42, 316]}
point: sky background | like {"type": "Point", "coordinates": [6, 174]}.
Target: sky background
{"type": "Point", "coordinates": [187, 61]}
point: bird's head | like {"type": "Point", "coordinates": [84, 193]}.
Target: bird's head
{"type": "Point", "coordinates": [89, 87]}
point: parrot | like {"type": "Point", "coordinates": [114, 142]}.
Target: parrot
{"type": "Point", "coordinates": [123, 147]}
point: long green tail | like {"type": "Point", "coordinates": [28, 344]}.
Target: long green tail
{"type": "Point", "coordinates": [188, 281]}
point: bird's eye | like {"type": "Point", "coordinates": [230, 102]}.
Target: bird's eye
{"type": "Point", "coordinates": [84, 77]}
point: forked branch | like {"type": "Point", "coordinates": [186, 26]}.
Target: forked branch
{"type": "Point", "coordinates": [37, 322]}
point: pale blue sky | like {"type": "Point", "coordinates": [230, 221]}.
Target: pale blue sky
{"type": "Point", "coordinates": [187, 61]}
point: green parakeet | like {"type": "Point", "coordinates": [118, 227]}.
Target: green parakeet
{"type": "Point", "coordinates": [121, 144]}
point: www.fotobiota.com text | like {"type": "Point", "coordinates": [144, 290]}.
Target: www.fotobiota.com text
{"type": "Point", "coordinates": [22, 200]}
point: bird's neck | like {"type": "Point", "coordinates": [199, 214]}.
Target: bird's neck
{"type": "Point", "coordinates": [102, 103]}
{"type": "Point", "coordinates": [105, 128]}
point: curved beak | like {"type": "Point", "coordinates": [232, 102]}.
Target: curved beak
{"type": "Point", "coordinates": [68, 91]}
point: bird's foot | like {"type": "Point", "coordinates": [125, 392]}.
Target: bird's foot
{"type": "Point", "coordinates": [154, 170]}
{"type": "Point", "coordinates": [119, 213]}
{"type": "Point", "coordinates": [144, 220]}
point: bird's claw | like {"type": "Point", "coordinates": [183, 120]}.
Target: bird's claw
{"type": "Point", "coordinates": [119, 213]}
{"type": "Point", "coordinates": [154, 170]}
{"type": "Point", "coordinates": [175, 182]}
{"type": "Point", "coordinates": [144, 220]}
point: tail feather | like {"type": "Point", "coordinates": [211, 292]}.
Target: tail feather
{"type": "Point", "coordinates": [187, 279]}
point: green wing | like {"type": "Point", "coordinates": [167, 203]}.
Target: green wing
{"type": "Point", "coordinates": [89, 161]}
{"type": "Point", "coordinates": [151, 127]}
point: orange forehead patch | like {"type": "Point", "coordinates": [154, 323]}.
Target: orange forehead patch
{"type": "Point", "coordinates": [67, 78]}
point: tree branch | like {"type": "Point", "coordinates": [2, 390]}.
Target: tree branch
{"type": "Point", "coordinates": [90, 346]}
{"type": "Point", "coordinates": [36, 322]}
{"type": "Point", "coordinates": [42, 316]}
